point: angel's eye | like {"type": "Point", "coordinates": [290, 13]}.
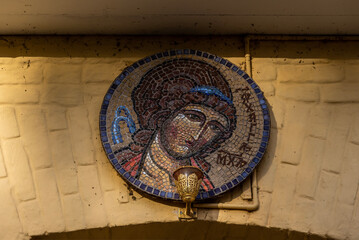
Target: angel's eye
{"type": "Point", "coordinates": [214, 128]}
{"type": "Point", "coordinates": [193, 117]}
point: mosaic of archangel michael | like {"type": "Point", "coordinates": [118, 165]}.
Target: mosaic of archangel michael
{"type": "Point", "coordinates": [177, 109]}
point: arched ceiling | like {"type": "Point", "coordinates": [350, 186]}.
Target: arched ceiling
{"type": "Point", "coordinates": [200, 230]}
{"type": "Point", "coordinates": [179, 17]}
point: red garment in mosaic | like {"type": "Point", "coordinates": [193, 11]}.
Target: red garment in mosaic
{"type": "Point", "coordinates": [132, 166]}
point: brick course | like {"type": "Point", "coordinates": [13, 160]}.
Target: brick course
{"type": "Point", "coordinates": [8, 123]}
{"type": "Point", "coordinates": [19, 171]}
{"type": "Point", "coordinates": [34, 135]}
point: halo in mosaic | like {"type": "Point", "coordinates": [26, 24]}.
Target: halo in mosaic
{"type": "Point", "coordinates": [184, 107]}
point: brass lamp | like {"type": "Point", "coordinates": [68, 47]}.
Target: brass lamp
{"type": "Point", "coordinates": [188, 181]}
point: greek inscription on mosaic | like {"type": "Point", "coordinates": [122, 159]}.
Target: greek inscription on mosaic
{"type": "Point", "coordinates": [230, 159]}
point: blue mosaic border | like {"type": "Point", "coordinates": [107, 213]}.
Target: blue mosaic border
{"type": "Point", "coordinates": [169, 195]}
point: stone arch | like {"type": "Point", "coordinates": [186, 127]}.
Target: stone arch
{"type": "Point", "coordinates": [198, 230]}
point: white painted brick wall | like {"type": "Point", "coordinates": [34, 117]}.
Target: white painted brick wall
{"type": "Point", "coordinates": [315, 73]}
{"type": "Point", "coordinates": [3, 172]}
{"type": "Point", "coordinates": [283, 196]}
{"type": "Point", "coordinates": [62, 94]}
{"type": "Point", "coordinates": [339, 131]}
{"type": "Point", "coordinates": [264, 70]}
{"type": "Point", "coordinates": [49, 200]}
{"type": "Point", "coordinates": [34, 135]}
{"type": "Point", "coordinates": [73, 212]}
{"type": "Point", "coordinates": [341, 92]}
{"type": "Point", "coordinates": [295, 127]}
{"type": "Point", "coordinates": [99, 72]}
{"type": "Point", "coordinates": [354, 225]}
{"type": "Point", "coordinates": [69, 73]}
{"type": "Point", "coordinates": [303, 212]}
{"type": "Point", "coordinates": [81, 139]}
{"type": "Point", "coordinates": [21, 70]}
{"type": "Point", "coordinates": [349, 176]}
{"type": "Point", "coordinates": [298, 92]}
{"type": "Point", "coordinates": [56, 118]}
{"type": "Point", "coordinates": [91, 195]}
{"type": "Point", "coordinates": [31, 219]}
{"type": "Point", "coordinates": [309, 167]}
{"type": "Point", "coordinates": [19, 94]}
{"type": "Point", "coordinates": [351, 73]}
{"type": "Point", "coordinates": [354, 133]}
{"type": "Point", "coordinates": [318, 122]}
{"type": "Point", "coordinates": [8, 123]}
{"type": "Point", "coordinates": [267, 172]}
{"type": "Point", "coordinates": [10, 227]}
{"type": "Point", "coordinates": [55, 176]}
{"type": "Point", "coordinates": [19, 171]}
{"type": "Point", "coordinates": [324, 203]}
{"type": "Point", "coordinates": [261, 217]}
{"type": "Point", "coordinates": [66, 169]}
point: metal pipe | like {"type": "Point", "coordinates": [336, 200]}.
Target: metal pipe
{"type": "Point", "coordinates": [247, 55]}
{"type": "Point", "coordinates": [254, 205]}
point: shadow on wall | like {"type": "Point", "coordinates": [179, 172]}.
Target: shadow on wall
{"type": "Point", "coordinates": [269, 155]}
{"type": "Point", "coordinates": [114, 46]}
{"type": "Point", "coordinates": [305, 50]}
{"type": "Point", "coordinates": [183, 230]}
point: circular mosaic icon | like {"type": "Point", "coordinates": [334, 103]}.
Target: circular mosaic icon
{"type": "Point", "coordinates": [180, 108]}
